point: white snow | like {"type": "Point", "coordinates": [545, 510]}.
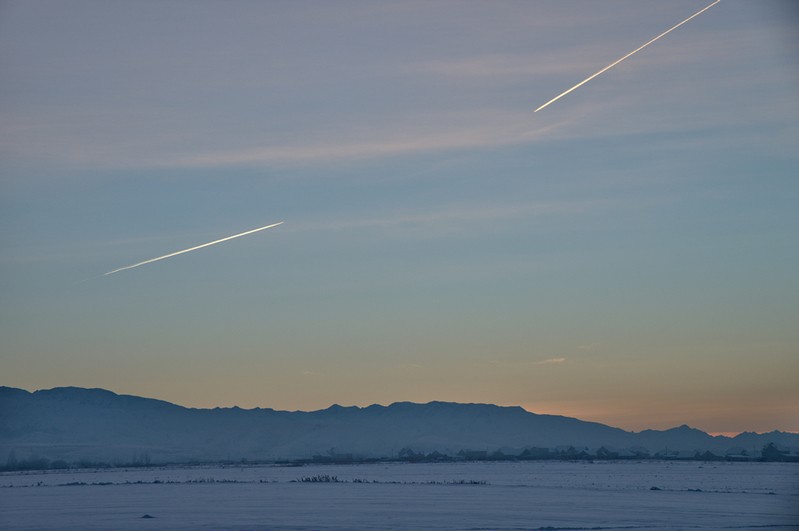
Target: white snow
{"type": "Point", "coordinates": [507, 495]}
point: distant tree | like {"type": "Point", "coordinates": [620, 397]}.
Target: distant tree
{"type": "Point", "coordinates": [707, 456]}
{"type": "Point", "coordinates": [772, 453]}
{"type": "Point", "coordinates": [408, 454]}
{"type": "Point", "coordinates": [535, 453]}
{"type": "Point", "coordinates": [604, 453]}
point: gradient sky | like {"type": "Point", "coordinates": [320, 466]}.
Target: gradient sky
{"type": "Point", "coordinates": [627, 255]}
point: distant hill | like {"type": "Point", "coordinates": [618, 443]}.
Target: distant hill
{"type": "Point", "coordinates": [74, 424]}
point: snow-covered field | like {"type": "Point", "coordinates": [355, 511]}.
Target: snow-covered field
{"type": "Point", "coordinates": [528, 495]}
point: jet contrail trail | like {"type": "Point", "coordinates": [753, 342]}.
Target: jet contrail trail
{"type": "Point", "coordinates": [581, 83]}
{"type": "Point", "coordinates": [170, 255]}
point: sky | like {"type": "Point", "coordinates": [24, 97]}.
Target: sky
{"type": "Point", "coordinates": [626, 255]}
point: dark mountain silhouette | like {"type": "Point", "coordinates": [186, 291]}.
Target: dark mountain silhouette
{"type": "Point", "coordinates": [74, 424]}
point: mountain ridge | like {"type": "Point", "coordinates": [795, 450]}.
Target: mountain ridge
{"type": "Point", "coordinates": [73, 423]}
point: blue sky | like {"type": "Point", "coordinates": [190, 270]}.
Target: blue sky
{"type": "Point", "coordinates": [626, 255]}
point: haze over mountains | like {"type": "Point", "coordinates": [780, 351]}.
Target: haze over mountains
{"type": "Point", "coordinates": [74, 424]}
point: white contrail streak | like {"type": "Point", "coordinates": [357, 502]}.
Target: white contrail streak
{"type": "Point", "coordinates": [170, 255]}
{"type": "Point", "coordinates": [611, 65]}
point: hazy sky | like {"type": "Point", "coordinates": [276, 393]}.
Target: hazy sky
{"type": "Point", "coordinates": [628, 254]}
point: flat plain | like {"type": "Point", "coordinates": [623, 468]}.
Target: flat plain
{"type": "Point", "coordinates": [540, 495]}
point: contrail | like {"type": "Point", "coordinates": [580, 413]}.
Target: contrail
{"type": "Point", "coordinates": [170, 255]}
{"type": "Point", "coordinates": [611, 65]}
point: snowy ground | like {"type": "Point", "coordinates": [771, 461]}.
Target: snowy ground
{"type": "Point", "coordinates": [531, 495]}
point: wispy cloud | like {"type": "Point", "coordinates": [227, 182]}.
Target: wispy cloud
{"type": "Point", "coordinates": [505, 68]}
{"type": "Point", "coordinates": [505, 129]}
{"type": "Point", "coordinates": [572, 61]}
{"type": "Point", "coordinates": [465, 215]}
{"type": "Point", "coordinates": [551, 361]}
{"type": "Point", "coordinates": [179, 141]}
{"type": "Point", "coordinates": [525, 364]}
